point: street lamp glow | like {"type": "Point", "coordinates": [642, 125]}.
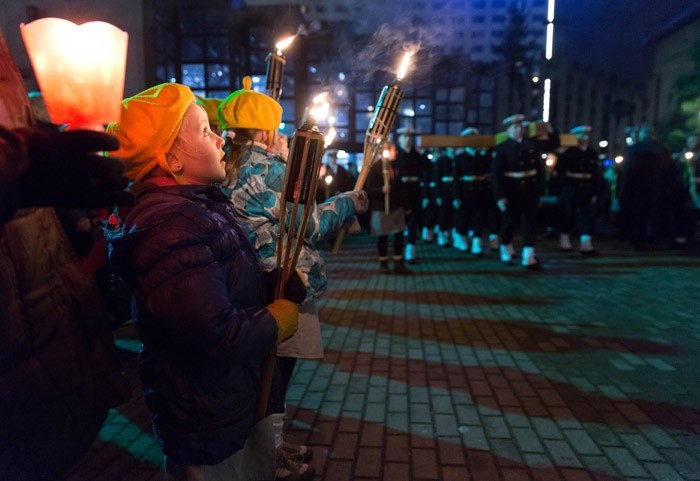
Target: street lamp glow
{"type": "Point", "coordinates": [550, 11]}
{"type": "Point", "coordinates": [545, 102]}
{"type": "Point", "coordinates": [688, 155]}
{"type": "Point", "coordinates": [550, 41]}
{"type": "Point", "coordinates": [602, 144]}
{"type": "Point", "coordinates": [619, 159]}
{"type": "Point", "coordinates": [535, 79]}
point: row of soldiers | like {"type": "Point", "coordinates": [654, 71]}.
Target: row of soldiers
{"type": "Point", "coordinates": [462, 195]}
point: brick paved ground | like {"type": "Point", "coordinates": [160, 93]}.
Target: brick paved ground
{"type": "Point", "coordinates": [468, 370]}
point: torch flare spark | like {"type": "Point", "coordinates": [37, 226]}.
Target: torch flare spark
{"type": "Point", "coordinates": [405, 62]}
{"type": "Point", "coordinates": [283, 44]}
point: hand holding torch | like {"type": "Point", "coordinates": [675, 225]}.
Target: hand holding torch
{"type": "Point", "coordinates": [387, 179]}
{"type": "Point", "coordinates": [299, 189]}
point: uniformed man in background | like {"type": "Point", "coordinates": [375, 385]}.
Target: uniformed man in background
{"type": "Point", "coordinates": [579, 178]}
{"type": "Point", "coordinates": [472, 174]}
{"type": "Point", "coordinates": [518, 179]}
{"type": "Point", "coordinates": [414, 169]}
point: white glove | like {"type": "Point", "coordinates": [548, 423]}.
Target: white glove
{"type": "Point", "coordinates": [359, 199]}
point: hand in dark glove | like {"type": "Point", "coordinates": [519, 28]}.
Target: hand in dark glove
{"type": "Point", "coordinates": [294, 291]}
{"type": "Point", "coordinates": [14, 158]}
{"type": "Point", "coordinates": [66, 170]}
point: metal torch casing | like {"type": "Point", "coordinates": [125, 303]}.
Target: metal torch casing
{"type": "Point", "coordinates": [274, 74]}
{"type": "Point", "coordinates": [303, 164]}
{"type": "Point", "coordinates": [385, 112]}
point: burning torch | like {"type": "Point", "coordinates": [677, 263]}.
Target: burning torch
{"type": "Point", "coordinates": [299, 188]}
{"type": "Point", "coordinates": [387, 178]}
{"type": "Point", "coordinates": [275, 68]}
{"type": "Point", "coordinates": [379, 127]}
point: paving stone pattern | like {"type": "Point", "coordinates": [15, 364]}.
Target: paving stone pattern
{"type": "Point", "coordinates": [469, 370]}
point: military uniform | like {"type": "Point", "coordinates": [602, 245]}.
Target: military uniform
{"type": "Point", "coordinates": [518, 178]}
{"type": "Point", "coordinates": [472, 174]}
{"type": "Point", "coordinates": [579, 178]}
{"type": "Point", "coordinates": [430, 206]}
{"type": "Point", "coordinates": [445, 193]}
{"type": "Point", "coordinates": [413, 168]}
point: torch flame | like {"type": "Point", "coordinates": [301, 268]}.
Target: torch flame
{"type": "Point", "coordinates": [328, 139]}
{"type": "Point", "coordinates": [320, 97]}
{"type": "Point", "coordinates": [404, 65]}
{"type": "Point", "coordinates": [282, 44]}
{"type": "Point", "coordinates": [321, 107]}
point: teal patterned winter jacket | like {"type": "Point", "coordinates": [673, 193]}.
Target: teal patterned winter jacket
{"type": "Point", "coordinates": [256, 198]}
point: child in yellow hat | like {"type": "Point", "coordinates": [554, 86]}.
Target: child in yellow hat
{"type": "Point", "coordinates": [255, 175]}
{"type": "Point", "coordinates": [201, 305]}
{"type": "Point", "coordinates": [211, 107]}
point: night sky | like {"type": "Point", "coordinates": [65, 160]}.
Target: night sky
{"type": "Point", "coordinates": [610, 35]}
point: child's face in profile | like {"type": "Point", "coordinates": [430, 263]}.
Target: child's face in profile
{"type": "Point", "coordinates": [197, 150]}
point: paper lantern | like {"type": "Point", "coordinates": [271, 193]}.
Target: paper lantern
{"type": "Point", "coordinates": [80, 70]}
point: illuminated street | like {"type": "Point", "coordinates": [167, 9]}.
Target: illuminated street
{"type": "Point", "coordinates": [467, 370]}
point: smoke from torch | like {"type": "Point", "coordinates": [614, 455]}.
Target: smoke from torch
{"type": "Point", "coordinates": [380, 125]}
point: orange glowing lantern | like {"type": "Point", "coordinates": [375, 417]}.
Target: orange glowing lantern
{"type": "Point", "coordinates": [80, 70]}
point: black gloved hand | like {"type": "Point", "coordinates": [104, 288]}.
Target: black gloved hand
{"type": "Point", "coordinates": [66, 170]}
{"type": "Point", "coordinates": [294, 291]}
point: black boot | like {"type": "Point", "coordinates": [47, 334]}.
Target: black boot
{"type": "Point", "coordinates": [384, 266]}
{"type": "Point", "coordinates": [400, 268]}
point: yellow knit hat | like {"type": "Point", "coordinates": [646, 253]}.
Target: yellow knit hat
{"type": "Point", "coordinates": [211, 105]}
{"type": "Point", "coordinates": [149, 124]}
{"type": "Point", "coordinates": [247, 109]}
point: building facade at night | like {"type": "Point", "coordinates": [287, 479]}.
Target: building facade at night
{"type": "Point", "coordinates": [351, 50]}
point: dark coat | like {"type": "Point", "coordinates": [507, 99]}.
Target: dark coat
{"type": "Point", "coordinates": [577, 175]}
{"type": "Point", "coordinates": [513, 156]}
{"type": "Point", "coordinates": [445, 179]}
{"type": "Point", "coordinates": [375, 182]}
{"type": "Point", "coordinates": [472, 173]}
{"type": "Point", "coordinates": [414, 169]}
{"type": "Point", "coordinates": [59, 372]}
{"type": "Point", "coordinates": [198, 303]}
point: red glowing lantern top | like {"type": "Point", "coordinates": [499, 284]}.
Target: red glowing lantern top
{"type": "Point", "coordinates": [80, 69]}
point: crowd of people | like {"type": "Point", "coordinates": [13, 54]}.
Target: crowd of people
{"type": "Point", "coordinates": [195, 236]}
{"type": "Point", "coordinates": [472, 198]}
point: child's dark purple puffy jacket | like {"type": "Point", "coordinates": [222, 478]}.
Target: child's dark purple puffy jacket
{"type": "Point", "coordinates": [198, 306]}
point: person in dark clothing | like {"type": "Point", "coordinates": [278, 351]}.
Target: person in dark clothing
{"type": "Point", "coordinates": [646, 191]}
{"type": "Point", "coordinates": [429, 204]}
{"type": "Point", "coordinates": [445, 195]}
{"type": "Point", "coordinates": [578, 177]}
{"type": "Point", "coordinates": [413, 168]}
{"type": "Point", "coordinates": [201, 303]}
{"type": "Point", "coordinates": [472, 174]}
{"type": "Point", "coordinates": [518, 183]}
{"type": "Point", "coordinates": [333, 178]}
{"type": "Point", "coordinates": [60, 370]}
{"type": "Point", "coordinates": [387, 199]}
